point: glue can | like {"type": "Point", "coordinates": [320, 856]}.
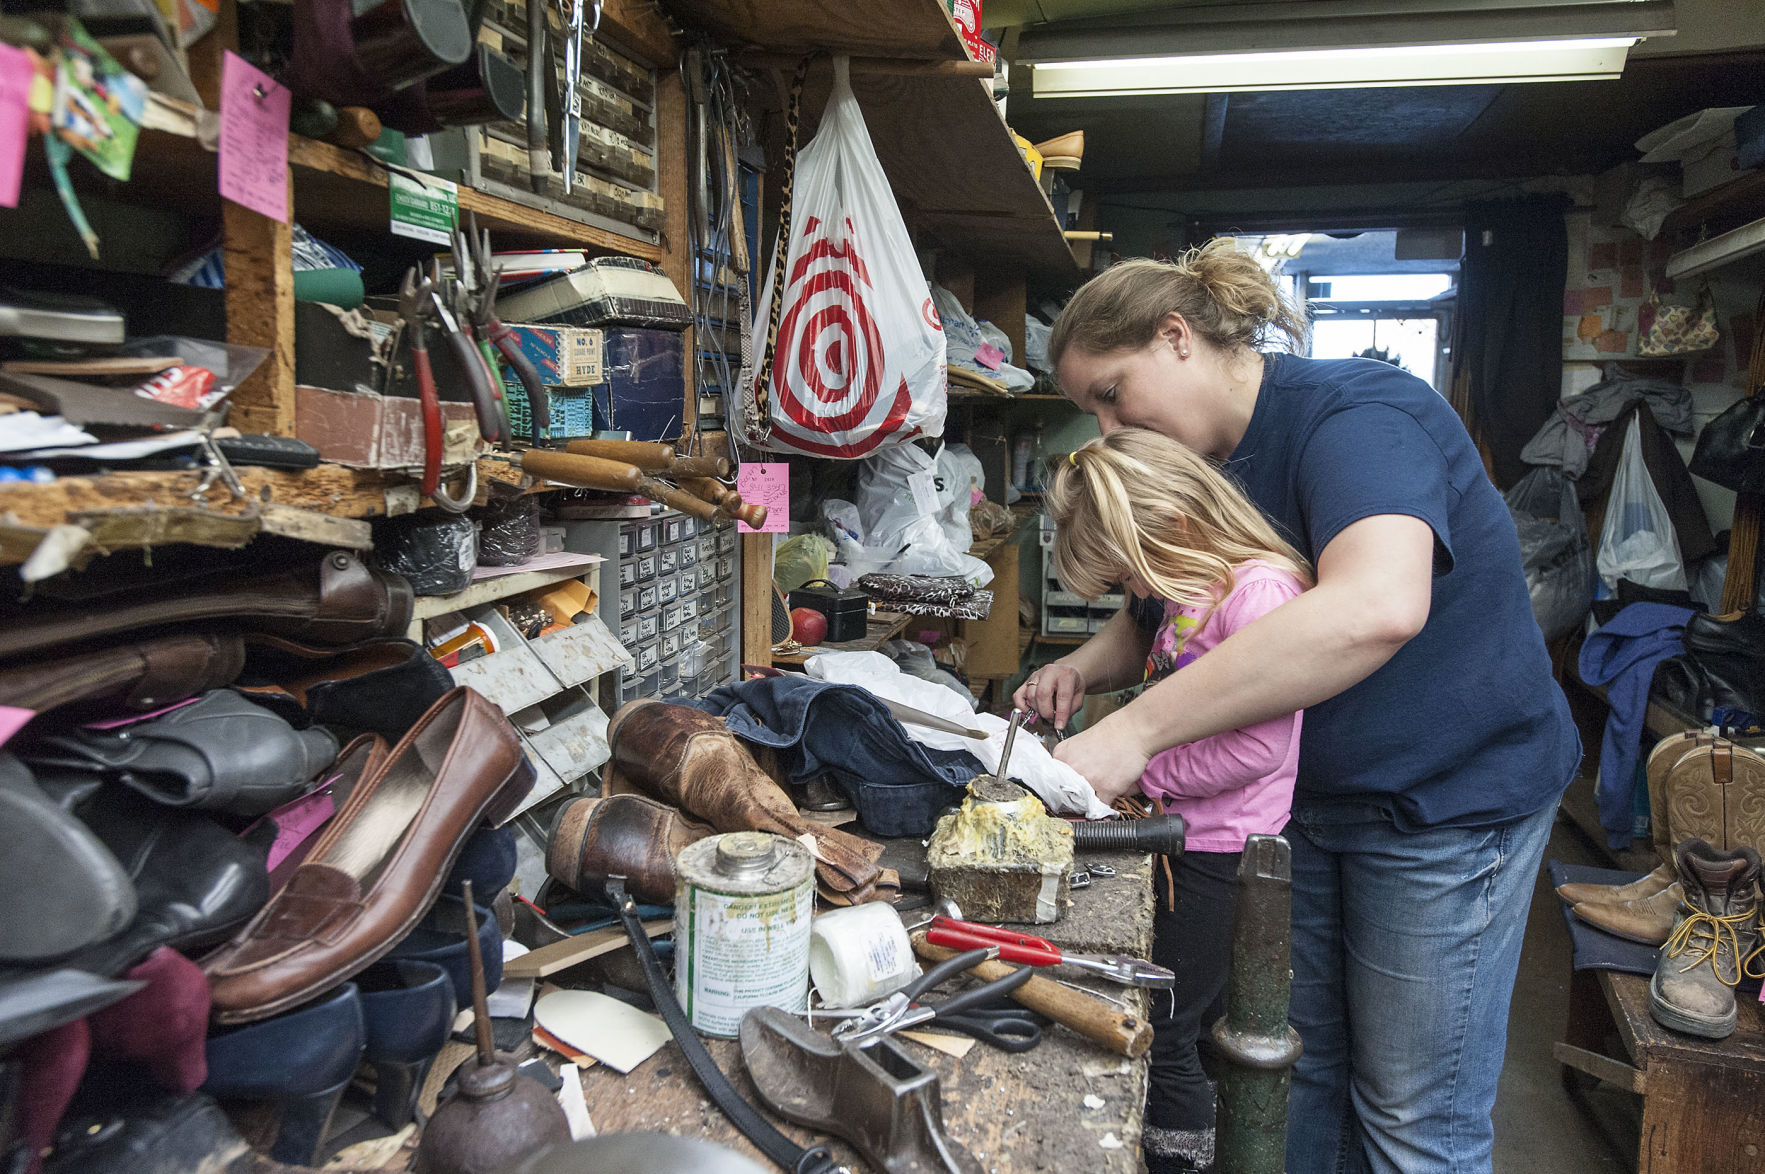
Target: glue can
{"type": "Point", "coordinates": [742, 911]}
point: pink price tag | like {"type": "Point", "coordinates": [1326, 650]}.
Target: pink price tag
{"type": "Point", "coordinates": [15, 89]}
{"type": "Point", "coordinates": [989, 356]}
{"type": "Point", "coordinates": [12, 720]}
{"type": "Point", "coordinates": [768, 485]}
{"type": "Point", "coordinates": [254, 139]}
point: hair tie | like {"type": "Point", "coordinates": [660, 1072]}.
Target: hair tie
{"type": "Point", "coordinates": [1074, 458]}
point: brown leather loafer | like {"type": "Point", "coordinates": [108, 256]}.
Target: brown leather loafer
{"type": "Point", "coordinates": [142, 676]}
{"type": "Point", "coordinates": [378, 866]}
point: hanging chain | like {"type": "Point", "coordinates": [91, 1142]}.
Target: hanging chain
{"type": "Point", "coordinates": [763, 379]}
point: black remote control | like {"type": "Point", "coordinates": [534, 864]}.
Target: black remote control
{"type": "Point", "coordinates": [275, 452]}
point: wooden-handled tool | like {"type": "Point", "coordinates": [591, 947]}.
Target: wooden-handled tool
{"type": "Point", "coordinates": [651, 457]}
{"type": "Point", "coordinates": [1101, 1022]}
{"type": "Point", "coordinates": [590, 472]}
{"type": "Point", "coordinates": [727, 500]}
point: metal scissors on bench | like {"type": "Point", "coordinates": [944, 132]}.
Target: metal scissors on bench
{"type": "Point", "coordinates": [1004, 1028]}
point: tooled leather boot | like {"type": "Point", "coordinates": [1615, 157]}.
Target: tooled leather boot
{"type": "Point", "coordinates": [688, 758]}
{"type": "Point", "coordinates": [632, 836]}
{"type": "Point", "coordinates": [1716, 936]}
{"type": "Point", "coordinates": [1648, 919]}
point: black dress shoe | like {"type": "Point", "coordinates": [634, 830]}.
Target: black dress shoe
{"type": "Point", "coordinates": [163, 1134]}
{"type": "Point", "coordinates": [375, 687]}
{"type": "Point", "coordinates": [1731, 652]}
{"type": "Point", "coordinates": [195, 881]}
{"type": "Point", "coordinates": [67, 889]}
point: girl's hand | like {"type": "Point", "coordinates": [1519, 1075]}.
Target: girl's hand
{"type": "Point", "coordinates": [1054, 691]}
{"type": "Point", "coordinates": [1111, 763]}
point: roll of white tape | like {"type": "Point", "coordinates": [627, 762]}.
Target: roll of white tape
{"type": "Point", "coordinates": [859, 954]}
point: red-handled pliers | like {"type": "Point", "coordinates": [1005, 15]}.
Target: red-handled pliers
{"type": "Point", "coordinates": [1033, 951]}
{"type": "Point", "coordinates": [413, 299]}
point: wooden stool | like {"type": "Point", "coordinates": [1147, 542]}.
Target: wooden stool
{"type": "Point", "coordinates": [1703, 1100]}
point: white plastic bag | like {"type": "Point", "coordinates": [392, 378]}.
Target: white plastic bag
{"type": "Point", "coordinates": [859, 361]}
{"type": "Point", "coordinates": [1638, 542]}
{"type": "Point", "coordinates": [908, 514]}
{"type": "Point", "coordinates": [1062, 788]}
{"type": "Point", "coordinates": [964, 337]}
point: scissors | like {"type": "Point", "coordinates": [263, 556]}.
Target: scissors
{"type": "Point", "coordinates": [1006, 1029]}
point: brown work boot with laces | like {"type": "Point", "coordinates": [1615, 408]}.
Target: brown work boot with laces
{"type": "Point", "coordinates": [1714, 943]}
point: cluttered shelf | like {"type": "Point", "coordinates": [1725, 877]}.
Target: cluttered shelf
{"type": "Point", "coordinates": [331, 188]}
{"type": "Point", "coordinates": [967, 185]}
{"type": "Point", "coordinates": [878, 629]}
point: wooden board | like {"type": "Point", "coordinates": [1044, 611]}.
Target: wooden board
{"type": "Point", "coordinates": [882, 28]}
{"type": "Point", "coordinates": [883, 626]}
{"type": "Point", "coordinates": [1013, 1113]}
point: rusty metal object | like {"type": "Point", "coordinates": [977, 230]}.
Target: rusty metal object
{"type": "Point", "coordinates": [875, 1096]}
{"type": "Point", "coordinates": [498, 1116]}
{"type": "Point", "coordinates": [1254, 1037]}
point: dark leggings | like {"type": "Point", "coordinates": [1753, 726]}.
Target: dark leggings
{"type": "Point", "coordinates": [1193, 938]}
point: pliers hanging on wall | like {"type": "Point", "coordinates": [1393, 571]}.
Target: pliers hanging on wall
{"type": "Point", "coordinates": [486, 393]}
{"type": "Point", "coordinates": [414, 297]}
{"type": "Point", "coordinates": [493, 333]}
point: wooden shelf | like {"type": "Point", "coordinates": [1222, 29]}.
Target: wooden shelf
{"type": "Point", "coordinates": [1740, 199]}
{"type": "Point", "coordinates": [489, 590]}
{"type": "Point", "coordinates": [335, 182]}
{"type": "Point", "coordinates": [882, 627]}
{"type": "Point", "coordinates": [951, 162]}
{"type": "Point", "coordinates": [1725, 249]}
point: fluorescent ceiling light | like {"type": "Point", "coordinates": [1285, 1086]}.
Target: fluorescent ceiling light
{"type": "Point", "coordinates": [1599, 59]}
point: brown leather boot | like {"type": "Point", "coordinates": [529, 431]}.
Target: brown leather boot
{"type": "Point", "coordinates": [1667, 751]}
{"type": "Point", "coordinates": [1636, 890]}
{"type": "Point", "coordinates": [1647, 919]}
{"type": "Point", "coordinates": [632, 836]}
{"type": "Point", "coordinates": [688, 758]}
{"type": "Point", "coordinates": [1717, 933]}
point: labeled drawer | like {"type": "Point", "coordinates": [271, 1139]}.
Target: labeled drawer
{"type": "Point", "coordinates": [668, 560]}
{"type": "Point", "coordinates": [646, 568]}
{"type": "Point", "coordinates": [646, 598]}
{"type": "Point", "coordinates": [648, 625]}
{"type": "Point", "coordinates": [627, 573]}
{"type": "Point", "coordinates": [667, 589]}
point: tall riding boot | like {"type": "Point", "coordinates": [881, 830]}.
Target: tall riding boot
{"type": "Point", "coordinates": [688, 758]}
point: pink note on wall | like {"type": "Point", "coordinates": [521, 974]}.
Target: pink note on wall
{"type": "Point", "coordinates": [254, 139]}
{"type": "Point", "coordinates": [768, 485]}
{"type": "Point", "coordinates": [15, 89]}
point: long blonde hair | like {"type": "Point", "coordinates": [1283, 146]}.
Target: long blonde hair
{"type": "Point", "coordinates": [1224, 295]}
{"type": "Point", "coordinates": [1137, 502]}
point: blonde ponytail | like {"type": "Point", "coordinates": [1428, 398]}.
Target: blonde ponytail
{"type": "Point", "coordinates": [1224, 295]}
{"type": "Point", "coordinates": [1137, 503]}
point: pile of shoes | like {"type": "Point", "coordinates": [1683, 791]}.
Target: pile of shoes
{"type": "Point", "coordinates": [239, 831]}
{"type": "Point", "coordinates": [677, 775]}
{"type": "Point", "coordinates": [1701, 906]}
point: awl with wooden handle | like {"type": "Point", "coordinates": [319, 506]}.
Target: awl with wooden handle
{"type": "Point", "coordinates": [1100, 1022]}
{"type": "Point", "coordinates": [568, 468]}
{"type": "Point", "coordinates": [727, 500]}
{"type": "Point", "coordinates": [652, 457]}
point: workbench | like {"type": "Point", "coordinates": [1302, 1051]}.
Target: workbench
{"type": "Point", "coordinates": [1021, 1112]}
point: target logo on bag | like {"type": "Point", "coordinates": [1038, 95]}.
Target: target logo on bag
{"type": "Point", "coordinates": [858, 363]}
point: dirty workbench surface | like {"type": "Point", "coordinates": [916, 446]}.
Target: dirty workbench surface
{"type": "Point", "coordinates": [1013, 1113]}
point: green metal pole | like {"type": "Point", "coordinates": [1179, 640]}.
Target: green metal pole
{"type": "Point", "coordinates": [1259, 1046]}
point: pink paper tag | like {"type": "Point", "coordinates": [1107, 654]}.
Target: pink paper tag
{"type": "Point", "coordinates": [12, 720]}
{"type": "Point", "coordinates": [768, 485]}
{"type": "Point", "coordinates": [989, 356]}
{"type": "Point", "coordinates": [15, 88]}
{"type": "Point", "coordinates": [254, 139]}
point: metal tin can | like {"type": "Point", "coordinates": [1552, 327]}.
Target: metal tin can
{"type": "Point", "coordinates": [743, 905]}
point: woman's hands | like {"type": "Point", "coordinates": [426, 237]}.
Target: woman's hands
{"type": "Point", "coordinates": [1111, 762]}
{"type": "Point", "coordinates": [1054, 691]}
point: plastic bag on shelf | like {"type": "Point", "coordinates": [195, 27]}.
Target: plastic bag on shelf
{"type": "Point", "coordinates": [511, 532]}
{"type": "Point", "coordinates": [1554, 549]}
{"type": "Point", "coordinates": [436, 552]}
{"type": "Point", "coordinates": [858, 362]}
{"type": "Point", "coordinates": [1638, 541]}
{"type": "Point", "coordinates": [1035, 343]}
{"type": "Point", "coordinates": [907, 508]}
{"type": "Point", "coordinates": [800, 559]}
{"type": "Point", "coordinates": [965, 337]}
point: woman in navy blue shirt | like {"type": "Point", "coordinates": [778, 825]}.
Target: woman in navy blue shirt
{"type": "Point", "coordinates": [1435, 745]}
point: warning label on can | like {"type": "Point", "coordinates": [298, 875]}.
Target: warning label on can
{"type": "Point", "coordinates": [736, 952]}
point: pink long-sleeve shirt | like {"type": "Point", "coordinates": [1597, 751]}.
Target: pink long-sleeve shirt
{"type": "Point", "coordinates": [1239, 782]}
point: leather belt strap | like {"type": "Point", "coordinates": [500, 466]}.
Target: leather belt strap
{"type": "Point", "coordinates": [784, 1152]}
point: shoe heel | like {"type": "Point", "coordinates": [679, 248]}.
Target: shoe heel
{"type": "Point", "coordinates": [304, 1122]}
{"type": "Point", "coordinates": [395, 1090]}
{"type": "Point", "coordinates": [511, 794]}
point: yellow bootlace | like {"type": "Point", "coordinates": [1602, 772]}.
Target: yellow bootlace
{"type": "Point", "coordinates": [1710, 930]}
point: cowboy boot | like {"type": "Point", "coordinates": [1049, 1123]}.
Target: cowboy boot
{"type": "Point", "coordinates": [1647, 919]}
{"type": "Point", "coordinates": [1667, 751]}
{"type": "Point", "coordinates": [687, 758]}
{"type": "Point", "coordinates": [1716, 935]}
{"type": "Point", "coordinates": [632, 836]}
{"type": "Point", "coordinates": [1636, 890]}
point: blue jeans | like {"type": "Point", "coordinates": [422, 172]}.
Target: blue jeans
{"type": "Point", "coordinates": [1405, 947]}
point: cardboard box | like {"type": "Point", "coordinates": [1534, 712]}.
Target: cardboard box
{"type": "Point", "coordinates": [566, 356]}
{"type": "Point", "coordinates": [365, 430]}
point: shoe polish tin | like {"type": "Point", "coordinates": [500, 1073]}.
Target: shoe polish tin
{"type": "Point", "coordinates": [743, 905]}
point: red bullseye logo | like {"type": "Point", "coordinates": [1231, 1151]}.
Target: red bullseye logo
{"type": "Point", "coordinates": [829, 363]}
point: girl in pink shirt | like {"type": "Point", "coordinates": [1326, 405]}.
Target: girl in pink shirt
{"type": "Point", "coordinates": [1139, 509]}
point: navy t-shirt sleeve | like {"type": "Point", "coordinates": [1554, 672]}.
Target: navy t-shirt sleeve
{"type": "Point", "coordinates": [1369, 459]}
